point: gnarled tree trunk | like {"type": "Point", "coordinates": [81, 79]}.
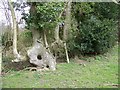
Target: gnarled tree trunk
{"type": "Point", "coordinates": [38, 54]}
{"type": "Point", "coordinates": [40, 57]}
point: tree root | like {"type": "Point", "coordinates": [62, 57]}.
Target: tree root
{"type": "Point", "coordinates": [37, 69]}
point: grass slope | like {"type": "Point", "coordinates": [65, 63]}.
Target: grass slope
{"type": "Point", "coordinates": [100, 72]}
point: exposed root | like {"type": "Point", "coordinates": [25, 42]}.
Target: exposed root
{"type": "Point", "coordinates": [38, 69]}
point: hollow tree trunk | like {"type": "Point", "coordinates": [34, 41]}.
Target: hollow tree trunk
{"type": "Point", "coordinates": [38, 54]}
{"type": "Point", "coordinates": [46, 59]}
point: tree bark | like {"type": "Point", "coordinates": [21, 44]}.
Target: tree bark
{"type": "Point", "coordinates": [45, 41]}
{"type": "Point", "coordinates": [67, 27]}
{"type": "Point", "coordinates": [46, 59]}
{"type": "Point", "coordinates": [38, 54]}
{"type": "Point", "coordinates": [57, 37]}
{"type": "Point", "coordinates": [59, 42]}
{"type": "Point", "coordinates": [15, 52]}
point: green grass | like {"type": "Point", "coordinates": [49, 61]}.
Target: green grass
{"type": "Point", "coordinates": [100, 72]}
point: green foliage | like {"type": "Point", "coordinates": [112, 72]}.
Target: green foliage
{"type": "Point", "coordinates": [97, 28]}
{"type": "Point", "coordinates": [96, 36]}
{"type": "Point", "coordinates": [94, 29]}
{"type": "Point", "coordinates": [25, 39]}
{"type": "Point", "coordinates": [45, 15]}
{"type": "Point", "coordinates": [5, 37]}
{"type": "Point", "coordinates": [106, 10]}
{"type": "Point", "coordinates": [81, 11]}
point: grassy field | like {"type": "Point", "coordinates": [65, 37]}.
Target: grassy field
{"type": "Point", "coordinates": [100, 72]}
